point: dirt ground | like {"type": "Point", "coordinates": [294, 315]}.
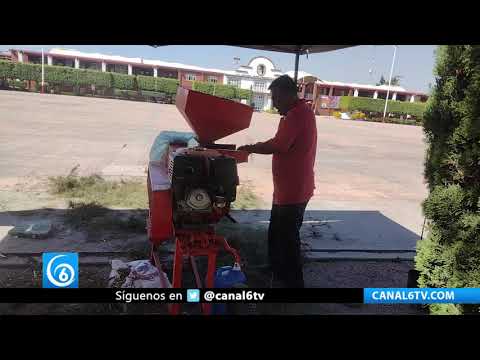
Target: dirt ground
{"type": "Point", "coordinates": [359, 165]}
{"type": "Point", "coordinates": [20, 265]}
{"type": "Point", "coordinates": [361, 168]}
{"type": "Point", "coordinates": [317, 274]}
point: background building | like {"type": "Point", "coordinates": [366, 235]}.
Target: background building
{"type": "Point", "coordinates": [256, 75]}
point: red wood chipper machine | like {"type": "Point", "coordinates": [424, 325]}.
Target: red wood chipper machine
{"type": "Point", "coordinates": [191, 188]}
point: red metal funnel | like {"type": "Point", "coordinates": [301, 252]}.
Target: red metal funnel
{"type": "Point", "coordinates": [211, 117]}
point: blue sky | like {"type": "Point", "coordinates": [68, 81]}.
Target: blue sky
{"type": "Point", "coordinates": [413, 62]}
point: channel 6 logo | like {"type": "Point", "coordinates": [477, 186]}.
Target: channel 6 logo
{"type": "Point", "coordinates": [60, 270]}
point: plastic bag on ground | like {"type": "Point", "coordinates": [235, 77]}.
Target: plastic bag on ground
{"type": "Point", "coordinates": [137, 274]}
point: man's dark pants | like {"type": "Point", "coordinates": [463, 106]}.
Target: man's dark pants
{"type": "Point", "coordinates": [284, 243]}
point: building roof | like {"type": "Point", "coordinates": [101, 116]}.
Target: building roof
{"type": "Point", "coordinates": [133, 61]}
{"type": "Point", "coordinates": [301, 49]}
{"type": "Point", "coordinates": [175, 65]}
{"type": "Point", "coordinates": [301, 74]}
{"type": "Point", "coordinates": [362, 86]}
{"type": "Point", "coordinates": [398, 89]}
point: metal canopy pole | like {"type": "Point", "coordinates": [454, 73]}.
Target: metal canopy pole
{"type": "Point", "coordinates": [389, 81]}
{"type": "Point", "coordinates": [43, 74]}
{"type": "Point", "coordinates": [297, 57]}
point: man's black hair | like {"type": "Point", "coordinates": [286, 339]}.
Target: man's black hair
{"type": "Point", "coordinates": [284, 83]}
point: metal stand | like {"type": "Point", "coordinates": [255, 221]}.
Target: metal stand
{"type": "Point", "coordinates": [190, 244]}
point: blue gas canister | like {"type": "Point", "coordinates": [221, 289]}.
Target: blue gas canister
{"type": "Point", "coordinates": [227, 277]}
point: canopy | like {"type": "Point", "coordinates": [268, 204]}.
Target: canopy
{"type": "Point", "coordinates": [294, 49]}
{"type": "Point", "coordinates": [297, 49]}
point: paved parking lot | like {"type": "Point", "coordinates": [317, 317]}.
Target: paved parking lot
{"type": "Point", "coordinates": [361, 168]}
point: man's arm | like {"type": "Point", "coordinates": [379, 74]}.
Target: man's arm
{"type": "Point", "coordinates": [281, 143]}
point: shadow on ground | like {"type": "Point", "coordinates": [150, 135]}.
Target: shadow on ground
{"type": "Point", "coordinates": [119, 234]}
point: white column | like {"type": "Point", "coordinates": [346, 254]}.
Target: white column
{"type": "Point", "coordinates": [104, 66]}
{"type": "Point", "coordinates": [394, 96]}
{"type": "Point", "coordinates": [355, 93]}
{"type": "Point", "coordinates": [375, 94]}
{"type": "Point", "coordinates": [49, 60]}
{"type": "Point", "coordinates": [20, 56]}
{"type": "Point", "coordinates": [155, 72]}
{"type": "Point", "coordinates": [330, 91]}
{"type": "Point", "coordinates": [130, 70]}
{"type": "Point", "coordinates": [412, 98]}
{"type": "Point", "coordinates": [77, 63]}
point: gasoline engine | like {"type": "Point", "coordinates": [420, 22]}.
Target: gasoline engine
{"type": "Point", "coordinates": [191, 188]}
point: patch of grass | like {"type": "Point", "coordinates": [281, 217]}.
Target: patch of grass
{"type": "Point", "coordinates": [249, 239]}
{"type": "Point", "coordinates": [246, 198]}
{"type": "Point", "coordinates": [95, 189]}
{"type": "Point", "coordinates": [80, 213]}
{"type": "Point", "coordinates": [271, 111]}
{"type": "Point", "coordinates": [99, 218]}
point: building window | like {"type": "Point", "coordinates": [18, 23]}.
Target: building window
{"type": "Point", "coordinates": [258, 102]}
{"type": "Point", "coordinates": [323, 91]}
{"type": "Point", "coordinates": [144, 71]}
{"type": "Point", "coordinates": [191, 77]}
{"type": "Point", "coordinates": [91, 65]}
{"type": "Point", "coordinates": [166, 73]}
{"type": "Point", "coordinates": [117, 68]}
{"type": "Point", "coordinates": [261, 70]}
{"type": "Point", "coordinates": [383, 95]}
{"type": "Point", "coordinates": [63, 62]}
{"type": "Point", "coordinates": [34, 59]}
{"type": "Point", "coordinates": [365, 93]}
{"type": "Point", "coordinates": [212, 79]}
{"type": "Point", "coordinates": [340, 92]}
{"type": "Point", "coordinates": [259, 86]}
{"type": "Point", "coordinates": [234, 82]}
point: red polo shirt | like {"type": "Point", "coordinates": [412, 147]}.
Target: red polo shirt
{"type": "Point", "coordinates": [294, 148]}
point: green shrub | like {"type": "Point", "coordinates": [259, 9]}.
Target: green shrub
{"type": "Point", "coordinates": [271, 111]}
{"type": "Point", "coordinates": [243, 94]}
{"type": "Point", "coordinates": [223, 91]}
{"type": "Point", "coordinates": [450, 255]}
{"type": "Point", "coordinates": [93, 77]}
{"type": "Point", "coordinates": [54, 75]}
{"type": "Point", "coordinates": [26, 71]}
{"type": "Point", "coordinates": [162, 85]}
{"type": "Point", "coordinates": [6, 69]}
{"type": "Point", "coordinates": [59, 75]}
{"type": "Point", "coordinates": [204, 87]}
{"type": "Point", "coordinates": [123, 82]}
{"type": "Point", "coordinates": [358, 115]}
{"type": "Point", "coordinates": [344, 103]}
{"type": "Point", "coordinates": [350, 103]}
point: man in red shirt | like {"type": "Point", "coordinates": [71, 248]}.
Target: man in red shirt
{"type": "Point", "coordinates": [293, 149]}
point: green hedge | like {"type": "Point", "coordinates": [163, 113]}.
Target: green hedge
{"type": "Point", "coordinates": [243, 94]}
{"type": "Point", "coordinates": [61, 75]}
{"type": "Point", "coordinates": [164, 85]}
{"type": "Point", "coordinates": [93, 77]}
{"type": "Point", "coordinates": [6, 69]}
{"type": "Point", "coordinates": [20, 71]}
{"type": "Point", "coordinates": [123, 82]}
{"type": "Point", "coordinates": [204, 87]}
{"type": "Point", "coordinates": [223, 91]}
{"type": "Point", "coordinates": [350, 103]}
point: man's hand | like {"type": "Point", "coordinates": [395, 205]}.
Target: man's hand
{"type": "Point", "coordinates": [247, 148]}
